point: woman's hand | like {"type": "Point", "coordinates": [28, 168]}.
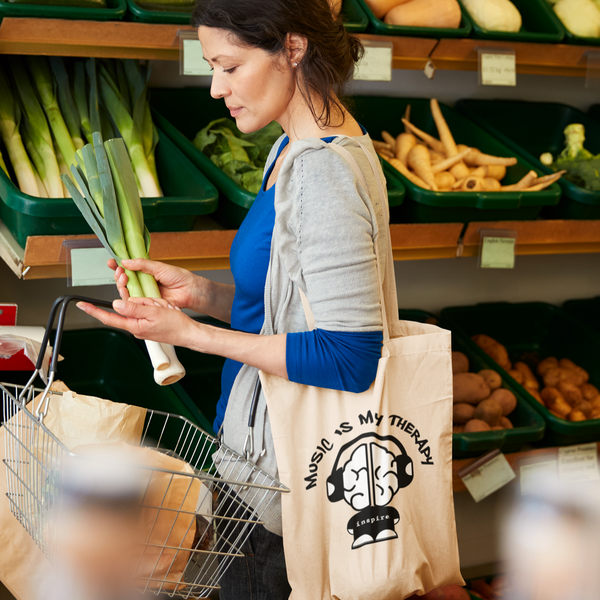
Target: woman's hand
{"type": "Point", "coordinates": [147, 319]}
{"type": "Point", "coordinates": [179, 287]}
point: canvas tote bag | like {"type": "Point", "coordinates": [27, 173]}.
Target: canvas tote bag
{"type": "Point", "coordinates": [370, 514]}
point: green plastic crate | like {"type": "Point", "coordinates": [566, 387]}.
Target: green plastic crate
{"type": "Point", "coordinates": [532, 331]}
{"type": "Point", "coordinates": [187, 194]}
{"type": "Point", "coordinates": [181, 113]}
{"type": "Point", "coordinates": [539, 24]}
{"type": "Point", "coordinates": [424, 206]}
{"type": "Point", "coordinates": [594, 112]}
{"type": "Point", "coordinates": [355, 19]}
{"type": "Point", "coordinates": [587, 312]}
{"type": "Point", "coordinates": [532, 128]}
{"type": "Point", "coordinates": [115, 10]}
{"type": "Point", "coordinates": [380, 27]}
{"type": "Point", "coordinates": [93, 365]}
{"type": "Point", "coordinates": [528, 424]}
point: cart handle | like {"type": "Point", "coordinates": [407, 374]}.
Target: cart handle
{"type": "Point", "coordinates": [61, 303]}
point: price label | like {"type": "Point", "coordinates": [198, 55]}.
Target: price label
{"type": "Point", "coordinates": [578, 463]}
{"type": "Point", "coordinates": [376, 64]}
{"type": "Point", "coordinates": [498, 252]}
{"type": "Point", "coordinates": [489, 477]}
{"type": "Point", "coordinates": [88, 267]}
{"type": "Point", "coordinates": [192, 59]}
{"type": "Point", "coordinates": [498, 69]}
{"type": "Point", "coordinates": [533, 475]}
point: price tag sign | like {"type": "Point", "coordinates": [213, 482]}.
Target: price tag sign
{"type": "Point", "coordinates": [578, 463]}
{"type": "Point", "coordinates": [376, 63]}
{"type": "Point", "coordinates": [498, 253]}
{"type": "Point", "coordinates": [534, 474]}
{"type": "Point", "coordinates": [191, 59]}
{"type": "Point", "coordinates": [487, 475]}
{"type": "Point", "coordinates": [497, 68]}
{"type": "Point", "coordinates": [88, 267]}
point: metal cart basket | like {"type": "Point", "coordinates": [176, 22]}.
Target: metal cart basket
{"type": "Point", "coordinates": [232, 493]}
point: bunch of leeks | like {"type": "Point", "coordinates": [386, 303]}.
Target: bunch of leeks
{"type": "Point", "coordinates": [104, 189]}
{"type": "Point", "coordinates": [55, 104]}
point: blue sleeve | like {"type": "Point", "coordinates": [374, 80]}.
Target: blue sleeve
{"type": "Point", "coordinates": [339, 360]}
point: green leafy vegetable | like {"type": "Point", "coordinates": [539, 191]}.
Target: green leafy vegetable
{"type": "Point", "coordinates": [242, 156]}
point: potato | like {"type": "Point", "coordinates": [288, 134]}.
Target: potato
{"type": "Point", "coordinates": [555, 402]}
{"type": "Point", "coordinates": [476, 425]}
{"type": "Point", "coordinates": [489, 411]}
{"type": "Point", "coordinates": [530, 380]}
{"type": "Point", "coordinates": [548, 363]}
{"type": "Point", "coordinates": [536, 395]}
{"type": "Point", "coordinates": [458, 429]}
{"type": "Point", "coordinates": [470, 388]}
{"type": "Point", "coordinates": [583, 406]}
{"type": "Point", "coordinates": [506, 399]}
{"type": "Point", "coordinates": [583, 375]}
{"type": "Point", "coordinates": [517, 376]}
{"type": "Point", "coordinates": [553, 376]}
{"type": "Point", "coordinates": [589, 391]}
{"type": "Point", "coordinates": [461, 413]}
{"type": "Point", "coordinates": [576, 415]}
{"type": "Point", "coordinates": [570, 391]}
{"type": "Point", "coordinates": [460, 363]}
{"type": "Point", "coordinates": [492, 378]}
{"type": "Point", "coordinates": [493, 349]}
{"type": "Point", "coordinates": [505, 423]}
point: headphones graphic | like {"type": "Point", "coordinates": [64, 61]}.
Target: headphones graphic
{"type": "Point", "coordinates": [402, 462]}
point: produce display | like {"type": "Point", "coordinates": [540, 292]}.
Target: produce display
{"type": "Point", "coordinates": [418, 13]}
{"type": "Point", "coordinates": [480, 401]}
{"type": "Point", "coordinates": [579, 165]}
{"type": "Point", "coordinates": [242, 156]}
{"type": "Point", "coordinates": [561, 386]}
{"type": "Point", "coordinates": [441, 165]}
{"type": "Point", "coordinates": [49, 106]}
{"type": "Point", "coordinates": [580, 17]}
{"type": "Point", "coordinates": [180, 6]}
{"type": "Point", "coordinates": [494, 15]}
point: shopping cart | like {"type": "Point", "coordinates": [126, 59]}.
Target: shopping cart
{"type": "Point", "coordinates": [233, 494]}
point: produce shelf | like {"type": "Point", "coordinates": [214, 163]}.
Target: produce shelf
{"type": "Point", "coordinates": [515, 460]}
{"type": "Point", "coordinates": [144, 40]}
{"type": "Point", "coordinates": [531, 59]}
{"type": "Point", "coordinates": [208, 249]}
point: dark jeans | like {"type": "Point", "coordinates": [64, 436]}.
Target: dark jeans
{"type": "Point", "coordinates": [260, 574]}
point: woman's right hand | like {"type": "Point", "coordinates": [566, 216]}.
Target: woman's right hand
{"type": "Point", "coordinates": [177, 286]}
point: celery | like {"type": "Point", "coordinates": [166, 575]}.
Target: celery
{"type": "Point", "coordinates": [46, 89]}
{"type": "Point", "coordinates": [37, 129]}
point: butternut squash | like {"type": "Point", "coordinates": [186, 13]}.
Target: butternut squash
{"type": "Point", "coordinates": [426, 13]}
{"type": "Point", "coordinates": [381, 7]}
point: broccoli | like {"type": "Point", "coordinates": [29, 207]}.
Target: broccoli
{"type": "Point", "coordinates": [583, 168]}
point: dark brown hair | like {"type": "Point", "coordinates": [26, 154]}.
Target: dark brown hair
{"type": "Point", "coordinates": [331, 53]}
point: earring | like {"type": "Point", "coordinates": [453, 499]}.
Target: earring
{"type": "Point", "coordinates": [295, 64]}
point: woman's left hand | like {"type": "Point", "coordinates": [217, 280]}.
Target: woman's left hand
{"type": "Point", "coordinates": [146, 318]}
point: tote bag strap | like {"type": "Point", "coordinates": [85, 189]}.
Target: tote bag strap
{"type": "Point", "coordinates": [380, 276]}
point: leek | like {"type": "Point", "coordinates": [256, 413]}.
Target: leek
{"type": "Point", "coordinates": [121, 228]}
{"type": "Point", "coordinates": [46, 89]}
{"type": "Point", "coordinates": [37, 128]}
{"type": "Point", "coordinates": [65, 100]}
{"type": "Point", "coordinates": [39, 168]}
{"type": "Point", "coordinates": [81, 100]}
{"type": "Point", "coordinates": [3, 165]}
{"type": "Point", "coordinates": [41, 189]}
{"type": "Point", "coordinates": [131, 134]}
{"type": "Point", "coordinates": [94, 108]}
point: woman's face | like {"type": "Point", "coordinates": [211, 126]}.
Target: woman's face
{"type": "Point", "coordinates": [257, 87]}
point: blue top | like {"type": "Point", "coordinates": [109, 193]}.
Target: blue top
{"type": "Point", "coordinates": [330, 359]}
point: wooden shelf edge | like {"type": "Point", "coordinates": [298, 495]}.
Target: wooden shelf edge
{"type": "Point", "coordinates": [515, 460]}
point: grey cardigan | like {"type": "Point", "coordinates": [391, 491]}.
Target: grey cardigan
{"type": "Point", "coordinates": [326, 226]}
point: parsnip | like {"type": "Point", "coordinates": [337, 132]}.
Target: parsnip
{"type": "Point", "coordinates": [525, 182]}
{"type": "Point", "coordinates": [428, 139]}
{"type": "Point", "coordinates": [404, 144]}
{"type": "Point", "coordinates": [444, 181]}
{"type": "Point", "coordinates": [418, 161]}
{"type": "Point", "coordinates": [389, 139]}
{"type": "Point", "coordinates": [477, 158]}
{"type": "Point", "coordinates": [446, 164]}
{"type": "Point", "coordinates": [496, 171]}
{"type": "Point", "coordinates": [407, 173]}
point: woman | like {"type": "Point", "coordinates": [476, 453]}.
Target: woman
{"type": "Point", "coordinates": [312, 229]}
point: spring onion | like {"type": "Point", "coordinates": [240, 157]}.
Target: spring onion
{"type": "Point", "coordinates": [121, 228]}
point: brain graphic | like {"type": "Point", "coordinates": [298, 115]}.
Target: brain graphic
{"type": "Point", "coordinates": [370, 477]}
